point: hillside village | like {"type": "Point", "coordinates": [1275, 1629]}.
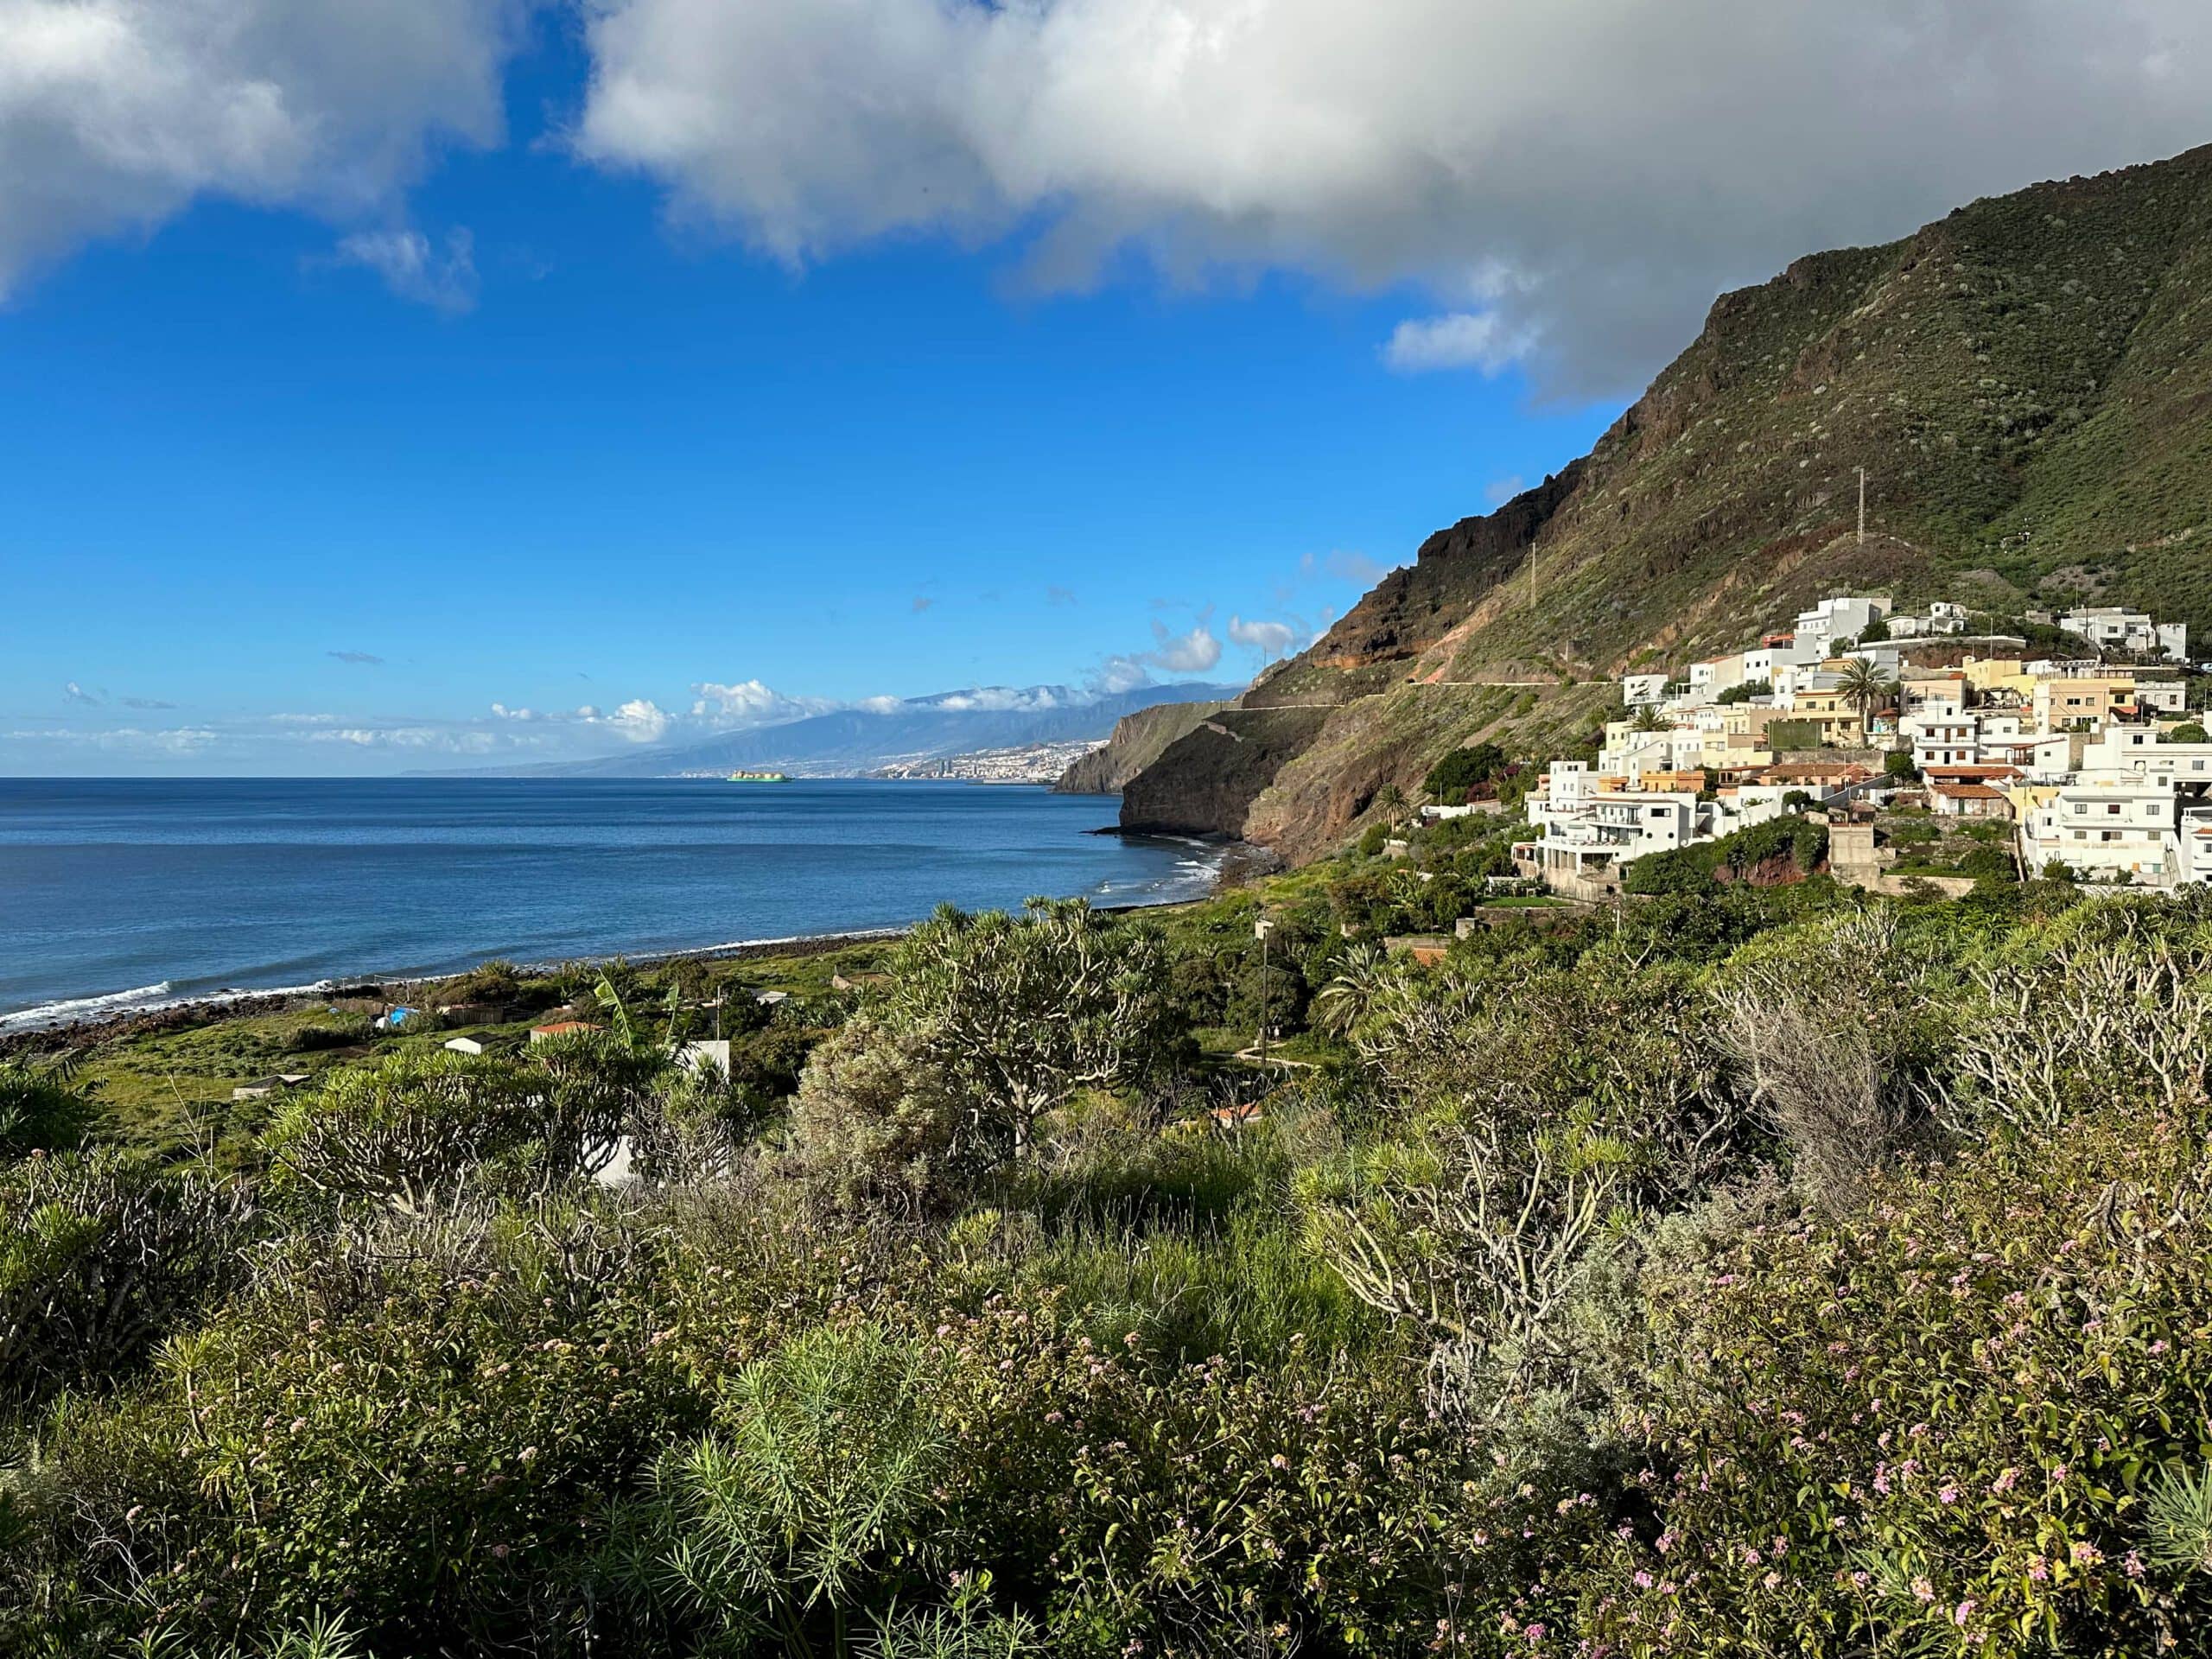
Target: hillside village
{"type": "Point", "coordinates": [2078, 755]}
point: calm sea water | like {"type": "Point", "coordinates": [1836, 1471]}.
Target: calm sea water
{"type": "Point", "coordinates": [117, 893]}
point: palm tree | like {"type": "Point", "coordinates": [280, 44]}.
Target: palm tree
{"type": "Point", "coordinates": [1649, 719]}
{"type": "Point", "coordinates": [1864, 687]}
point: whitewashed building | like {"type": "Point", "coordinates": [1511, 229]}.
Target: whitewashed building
{"type": "Point", "coordinates": [2115, 627]}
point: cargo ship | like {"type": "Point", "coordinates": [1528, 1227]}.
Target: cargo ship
{"type": "Point", "coordinates": [758, 778]}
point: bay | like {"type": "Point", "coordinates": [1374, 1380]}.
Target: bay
{"type": "Point", "coordinates": [117, 894]}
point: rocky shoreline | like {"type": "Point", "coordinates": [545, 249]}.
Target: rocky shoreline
{"type": "Point", "coordinates": [1240, 863]}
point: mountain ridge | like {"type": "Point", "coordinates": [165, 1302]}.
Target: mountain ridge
{"type": "Point", "coordinates": [849, 742]}
{"type": "Point", "coordinates": [2027, 382]}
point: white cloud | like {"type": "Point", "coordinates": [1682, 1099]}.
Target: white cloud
{"type": "Point", "coordinates": [749, 703]}
{"type": "Point", "coordinates": [1463, 340]}
{"type": "Point", "coordinates": [880, 705]}
{"type": "Point", "coordinates": [76, 693]}
{"type": "Point", "coordinates": [638, 721]}
{"type": "Point", "coordinates": [440, 740]}
{"type": "Point", "coordinates": [1591, 173]}
{"type": "Point", "coordinates": [117, 114]}
{"type": "Point", "coordinates": [1268, 638]}
{"type": "Point", "coordinates": [1118, 674]}
{"type": "Point", "coordinates": [414, 269]}
{"type": "Point", "coordinates": [1184, 653]}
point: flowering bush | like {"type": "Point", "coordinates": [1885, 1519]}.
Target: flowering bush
{"type": "Point", "coordinates": [1934, 1426]}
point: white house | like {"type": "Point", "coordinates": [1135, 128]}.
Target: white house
{"type": "Point", "coordinates": [2107, 825]}
{"type": "Point", "coordinates": [2115, 627]}
{"type": "Point", "coordinates": [2194, 840]}
{"type": "Point", "coordinates": [2135, 751]}
{"type": "Point", "coordinates": [1710, 678]}
{"type": "Point", "coordinates": [1769, 661]}
{"type": "Point", "coordinates": [466, 1044]}
{"type": "Point", "coordinates": [1642, 691]}
{"type": "Point", "coordinates": [1943, 734]}
{"type": "Point", "coordinates": [1585, 833]}
{"type": "Point", "coordinates": [2044, 758]}
{"type": "Point", "coordinates": [1839, 618]}
{"type": "Point", "coordinates": [2162, 696]}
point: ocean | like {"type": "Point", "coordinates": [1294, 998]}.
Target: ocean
{"type": "Point", "coordinates": [118, 894]}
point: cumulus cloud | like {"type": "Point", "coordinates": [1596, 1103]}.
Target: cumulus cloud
{"type": "Point", "coordinates": [638, 721]}
{"type": "Point", "coordinates": [999, 699]}
{"type": "Point", "coordinates": [880, 705]}
{"type": "Point", "coordinates": [1587, 176]}
{"type": "Point", "coordinates": [1268, 638]}
{"type": "Point", "coordinates": [1184, 653]}
{"type": "Point", "coordinates": [362, 658]}
{"type": "Point", "coordinates": [1462, 339]}
{"type": "Point", "coordinates": [1119, 673]}
{"type": "Point", "coordinates": [75, 693]}
{"type": "Point", "coordinates": [748, 703]}
{"type": "Point", "coordinates": [117, 114]}
{"type": "Point", "coordinates": [414, 268]}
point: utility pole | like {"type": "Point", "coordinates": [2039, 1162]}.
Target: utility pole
{"type": "Point", "coordinates": [1862, 506]}
{"type": "Point", "coordinates": [1261, 929]}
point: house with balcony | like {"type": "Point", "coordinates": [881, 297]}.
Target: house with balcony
{"type": "Point", "coordinates": [1584, 832]}
{"type": "Point", "coordinates": [2109, 826]}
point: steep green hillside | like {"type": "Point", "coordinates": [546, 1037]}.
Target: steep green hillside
{"type": "Point", "coordinates": [2028, 384]}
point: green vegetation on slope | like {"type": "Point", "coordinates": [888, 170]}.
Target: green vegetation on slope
{"type": "Point", "coordinates": [2027, 382]}
{"type": "Point", "coordinates": [1742, 1271]}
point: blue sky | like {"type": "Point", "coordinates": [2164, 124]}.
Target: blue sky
{"type": "Point", "coordinates": [542, 426]}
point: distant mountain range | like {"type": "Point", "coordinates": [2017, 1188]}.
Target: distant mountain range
{"type": "Point", "coordinates": [860, 739]}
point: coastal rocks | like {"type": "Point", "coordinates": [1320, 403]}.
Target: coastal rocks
{"type": "Point", "coordinates": [1205, 783]}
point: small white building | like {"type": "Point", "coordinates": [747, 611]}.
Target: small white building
{"type": "Point", "coordinates": [1839, 618]}
{"type": "Point", "coordinates": [712, 1051]}
{"type": "Point", "coordinates": [1708, 679]}
{"type": "Point", "coordinates": [1642, 690]}
{"type": "Point", "coordinates": [2115, 627]}
{"type": "Point", "coordinates": [2044, 758]}
{"type": "Point", "coordinates": [2162, 696]}
{"type": "Point", "coordinates": [466, 1044]}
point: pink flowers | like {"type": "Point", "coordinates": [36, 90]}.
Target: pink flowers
{"type": "Point", "coordinates": [1964, 1611]}
{"type": "Point", "coordinates": [2005, 1481]}
{"type": "Point", "coordinates": [1949, 1495]}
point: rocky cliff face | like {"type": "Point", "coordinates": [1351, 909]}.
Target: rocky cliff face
{"type": "Point", "coordinates": [1138, 741]}
{"type": "Point", "coordinates": [2028, 384]}
{"type": "Point", "coordinates": [1206, 782]}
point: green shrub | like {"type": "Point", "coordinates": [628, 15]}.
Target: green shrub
{"type": "Point", "coordinates": [1935, 1427]}
{"type": "Point", "coordinates": [103, 1254]}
